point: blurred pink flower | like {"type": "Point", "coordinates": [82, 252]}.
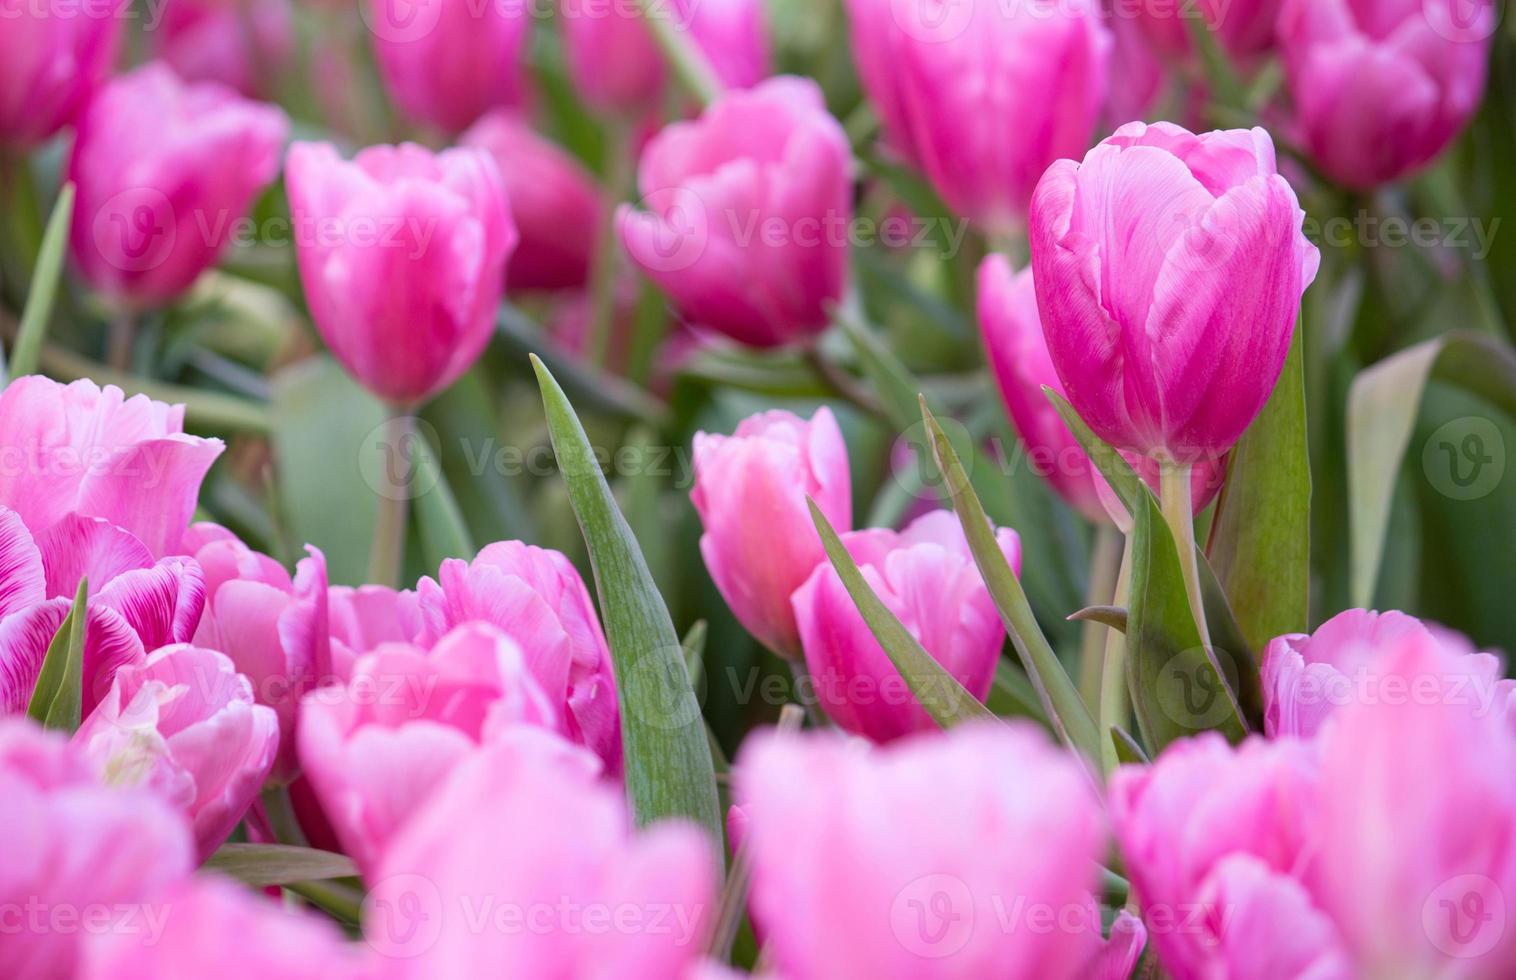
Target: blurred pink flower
{"type": "Point", "coordinates": [981, 95]}
{"type": "Point", "coordinates": [926, 575]}
{"type": "Point", "coordinates": [402, 253]}
{"type": "Point", "coordinates": [1381, 87]}
{"type": "Point", "coordinates": [165, 170]}
{"type": "Point", "coordinates": [183, 724]}
{"type": "Point", "coordinates": [73, 848]}
{"type": "Point", "coordinates": [750, 490]}
{"type": "Point", "coordinates": [555, 203]}
{"type": "Point", "coordinates": [746, 214]}
{"type": "Point", "coordinates": [448, 62]}
{"type": "Point", "coordinates": [247, 45]}
{"type": "Point", "coordinates": [1169, 269]}
{"type": "Point", "coordinates": [273, 627]}
{"type": "Point", "coordinates": [52, 59]}
{"type": "Point", "coordinates": [579, 893]}
{"type": "Point", "coordinates": [365, 616]}
{"type": "Point", "coordinates": [1245, 28]}
{"type": "Point", "coordinates": [941, 856]}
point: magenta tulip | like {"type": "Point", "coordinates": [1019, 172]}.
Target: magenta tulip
{"type": "Point", "coordinates": [733, 35]}
{"type": "Point", "coordinates": [760, 543]}
{"type": "Point", "coordinates": [183, 723]}
{"type": "Point", "coordinates": [982, 95]}
{"type": "Point", "coordinates": [216, 928]}
{"type": "Point", "coordinates": [272, 626]}
{"type": "Point", "coordinates": [52, 59]}
{"type": "Point", "coordinates": [81, 449]}
{"type": "Point", "coordinates": [1381, 87]}
{"type": "Point", "coordinates": [748, 214]}
{"type": "Point", "coordinates": [244, 45]}
{"type": "Point", "coordinates": [135, 604]}
{"type": "Point", "coordinates": [445, 63]}
{"type": "Point", "coordinates": [165, 171]}
{"type": "Point", "coordinates": [1169, 270]}
{"type": "Point", "coordinates": [554, 203]}
{"type": "Point", "coordinates": [536, 597]}
{"type": "Point", "coordinates": [1011, 327]}
{"type": "Point", "coordinates": [73, 848]}
{"type": "Point", "coordinates": [376, 748]}
{"type": "Point", "coordinates": [1245, 28]}
{"type": "Point", "coordinates": [927, 577]}
{"type": "Point", "coordinates": [856, 873]}
{"type": "Point", "coordinates": [573, 890]}
{"type": "Point", "coordinates": [402, 253]}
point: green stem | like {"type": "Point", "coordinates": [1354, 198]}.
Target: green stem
{"type": "Point", "coordinates": [1105, 564]}
{"type": "Point", "coordinates": [1179, 512]}
{"type": "Point", "coordinates": [282, 819]}
{"type": "Point", "coordinates": [690, 64]}
{"type": "Point", "coordinates": [1113, 686]}
{"type": "Point", "coordinates": [618, 179]}
{"type": "Point", "coordinates": [806, 696]}
{"type": "Point", "coordinates": [340, 900]}
{"type": "Point", "coordinates": [387, 553]}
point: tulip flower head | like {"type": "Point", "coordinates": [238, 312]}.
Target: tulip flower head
{"type": "Point", "coordinates": [52, 60]}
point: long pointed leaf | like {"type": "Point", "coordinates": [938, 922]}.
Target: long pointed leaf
{"type": "Point", "coordinates": [669, 771]}
{"type": "Point", "coordinates": [267, 865]}
{"type": "Point", "coordinates": [44, 288]}
{"type": "Point", "coordinates": [56, 698]}
{"type": "Point", "coordinates": [938, 691]}
{"type": "Point", "coordinates": [1060, 697]}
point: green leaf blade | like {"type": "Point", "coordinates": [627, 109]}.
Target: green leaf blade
{"type": "Point", "coordinates": [57, 697]}
{"type": "Point", "coordinates": [44, 288]}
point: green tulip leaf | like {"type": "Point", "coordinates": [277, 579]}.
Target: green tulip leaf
{"type": "Point", "coordinates": [276, 865]}
{"type": "Point", "coordinates": [56, 698]}
{"type": "Point", "coordinates": [38, 314]}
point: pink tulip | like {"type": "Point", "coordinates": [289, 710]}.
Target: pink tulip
{"type": "Point", "coordinates": [214, 928]}
{"type": "Point", "coordinates": [52, 59]}
{"type": "Point", "coordinates": [733, 35]}
{"type": "Point", "coordinates": [1307, 679]}
{"type": "Point", "coordinates": [536, 597]}
{"type": "Point", "coordinates": [1381, 87]}
{"type": "Point", "coordinates": [183, 723]}
{"type": "Point", "coordinates": [1011, 327]}
{"type": "Point", "coordinates": [970, 854]}
{"type": "Point", "coordinates": [402, 253]}
{"type": "Point", "coordinates": [165, 171]}
{"type": "Point", "coordinates": [927, 577]}
{"type": "Point", "coordinates": [1245, 28]}
{"type": "Point", "coordinates": [244, 45]}
{"type": "Point", "coordinates": [571, 890]}
{"type": "Point", "coordinates": [748, 212]}
{"type": "Point", "coordinates": [375, 749]}
{"type": "Point", "coordinates": [554, 203]}
{"type": "Point", "coordinates": [982, 95]}
{"type": "Point", "coordinates": [76, 858]}
{"type": "Point", "coordinates": [81, 449]}
{"type": "Point", "coordinates": [1138, 78]}
{"type": "Point", "coordinates": [272, 626]}
{"type": "Point", "coordinates": [362, 618]}
{"type": "Point", "coordinates": [135, 604]}
{"type": "Point", "coordinates": [448, 62]}
{"type": "Point", "coordinates": [1169, 270]}
{"type": "Point", "coordinates": [750, 490]}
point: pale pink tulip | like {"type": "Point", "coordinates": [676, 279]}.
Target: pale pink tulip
{"type": "Point", "coordinates": [365, 616]}
{"type": "Point", "coordinates": [575, 891]}
{"type": "Point", "coordinates": [76, 858]}
{"type": "Point", "coordinates": [750, 490]}
{"type": "Point", "coordinates": [747, 214]}
{"type": "Point", "coordinates": [1169, 269]}
{"type": "Point", "coordinates": [183, 723]}
{"type": "Point", "coordinates": [402, 253]}
{"type": "Point", "coordinates": [1381, 87]}
{"type": "Point", "coordinates": [969, 854]}
{"type": "Point", "coordinates": [927, 577]}
{"type": "Point", "coordinates": [52, 59]}
{"type": "Point", "coordinates": [165, 171]}
{"type": "Point", "coordinates": [273, 627]}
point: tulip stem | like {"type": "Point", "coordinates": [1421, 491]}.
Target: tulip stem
{"type": "Point", "coordinates": [1105, 565]}
{"type": "Point", "coordinates": [1113, 686]}
{"type": "Point", "coordinates": [1179, 512]}
{"type": "Point", "coordinates": [387, 553]}
{"type": "Point", "coordinates": [689, 63]}
{"type": "Point", "coordinates": [618, 178]}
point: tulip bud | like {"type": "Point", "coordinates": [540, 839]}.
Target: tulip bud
{"type": "Point", "coordinates": [1381, 88]}
{"type": "Point", "coordinates": [52, 59]}
{"type": "Point", "coordinates": [760, 543]}
{"type": "Point", "coordinates": [1169, 269]}
{"type": "Point", "coordinates": [747, 214]}
{"type": "Point", "coordinates": [244, 45]}
{"type": "Point", "coordinates": [1012, 330]}
{"type": "Point", "coordinates": [982, 95]}
{"type": "Point", "coordinates": [184, 724]}
{"type": "Point", "coordinates": [448, 62]}
{"type": "Point", "coordinates": [926, 576]}
{"type": "Point", "coordinates": [402, 253]}
{"type": "Point", "coordinates": [554, 203]}
{"type": "Point", "coordinates": [164, 171]}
